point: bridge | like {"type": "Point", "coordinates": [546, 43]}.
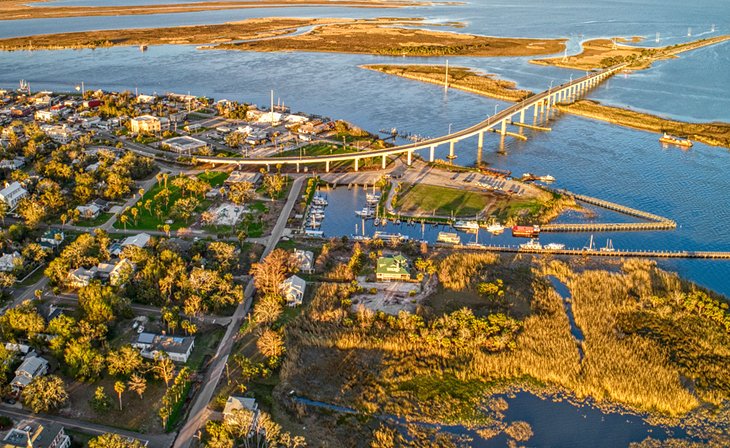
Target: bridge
{"type": "Point", "coordinates": [495, 123]}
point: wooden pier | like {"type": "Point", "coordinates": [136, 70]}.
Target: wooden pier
{"type": "Point", "coordinates": [707, 255]}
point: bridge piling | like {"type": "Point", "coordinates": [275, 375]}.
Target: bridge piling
{"type": "Point", "coordinates": [410, 157]}
{"type": "Point", "coordinates": [431, 153]}
{"type": "Point", "coordinates": [357, 163]}
{"type": "Point", "coordinates": [383, 162]}
{"type": "Point", "coordinates": [480, 143]}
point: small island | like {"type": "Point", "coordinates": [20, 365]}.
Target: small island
{"type": "Point", "coordinates": [603, 53]}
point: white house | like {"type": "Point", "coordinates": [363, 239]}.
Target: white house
{"type": "Point", "coordinates": [184, 144]}
{"type": "Point", "coordinates": [139, 240]}
{"type": "Point", "coordinates": [32, 366]}
{"type": "Point", "coordinates": [52, 238]}
{"type": "Point", "coordinates": [234, 404]}
{"type": "Point", "coordinates": [8, 261]}
{"type": "Point", "coordinates": [81, 277]}
{"type": "Point", "coordinates": [305, 260]}
{"type": "Point", "coordinates": [293, 290]}
{"type": "Point", "coordinates": [32, 433]}
{"type": "Point", "coordinates": [12, 194]}
{"type": "Point", "coordinates": [115, 272]}
{"type": "Point", "coordinates": [89, 211]}
{"type": "Point", "coordinates": [12, 164]}
{"type": "Point", "coordinates": [177, 348]}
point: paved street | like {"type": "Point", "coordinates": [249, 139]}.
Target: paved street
{"type": "Point", "coordinates": [199, 410]}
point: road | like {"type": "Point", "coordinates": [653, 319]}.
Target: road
{"type": "Point", "coordinates": [199, 411]}
{"type": "Point", "coordinates": [155, 440]}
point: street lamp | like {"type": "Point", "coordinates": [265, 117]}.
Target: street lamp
{"type": "Point", "coordinates": [551, 85]}
{"type": "Point", "coordinates": [450, 127]}
{"type": "Point", "coordinates": [496, 106]}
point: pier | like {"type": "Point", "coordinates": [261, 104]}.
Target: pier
{"type": "Point", "coordinates": [706, 255]}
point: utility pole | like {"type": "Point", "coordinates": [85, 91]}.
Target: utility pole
{"type": "Point", "coordinates": [272, 107]}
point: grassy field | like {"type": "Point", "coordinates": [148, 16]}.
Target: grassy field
{"type": "Point", "coordinates": [315, 149]}
{"type": "Point", "coordinates": [99, 220]}
{"type": "Point", "coordinates": [147, 220]}
{"type": "Point", "coordinates": [396, 40]}
{"type": "Point", "coordinates": [205, 344]}
{"type": "Point", "coordinates": [427, 200]}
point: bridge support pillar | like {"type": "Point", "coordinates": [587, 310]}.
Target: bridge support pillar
{"type": "Point", "coordinates": [451, 152]}
{"type": "Point", "coordinates": [327, 166]}
{"type": "Point", "coordinates": [534, 113]}
{"type": "Point", "coordinates": [503, 129]}
{"type": "Point", "coordinates": [268, 168]}
{"type": "Point", "coordinates": [297, 167]}
{"type": "Point", "coordinates": [522, 116]}
{"type": "Point", "coordinates": [384, 161]}
{"type": "Point", "coordinates": [431, 154]}
{"type": "Point", "coordinates": [480, 141]}
{"type": "Point", "coordinates": [357, 164]}
{"type": "Point", "coordinates": [410, 158]}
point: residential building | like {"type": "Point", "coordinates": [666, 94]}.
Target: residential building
{"type": "Point", "coordinates": [47, 115]}
{"type": "Point", "coordinates": [12, 194]}
{"type": "Point", "coordinates": [89, 211]}
{"type": "Point", "coordinates": [148, 124]}
{"type": "Point", "coordinates": [9, 261]}
{"type": "Point", "coordinates": [234, 404]}
{"type": "Point", "coordinates": [32, 367]}
{"type": "Point", "coordinates": [146, 99]}
{"type": "Point", "coordinates": [115, 272]}
{"type": "Point", "coordinates": [139, 240]}
{"type": "Point", "coordinates": [52, 238]}
{"type": "Point", "coordinates": [81, 277]}
{"type": "Point", "coordinates": [62, 133]}
{"type": "Point", "coordinates": [184, 144]}
{"type": "Point", "coordinates": [12, 164]}
{"type": "Point", "coordinates": [293, 290]}
{"type": "Point", "coordinates": [176, 347]}
{"type": "Point", "coordinates": [33, 434]}
{"type": "Point", "coordinates": [305, 260]}
{"type": "Point", "coordinates": [392, 269]}
{"type": "Point", "coordinates": [243, 176]}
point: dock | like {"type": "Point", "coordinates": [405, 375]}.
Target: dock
{"type": "Point", "coordinates": [685, 254]}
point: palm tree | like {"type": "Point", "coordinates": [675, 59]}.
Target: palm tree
{"type": "Point", "coordinates": [137, 384]}
{"type": "Point", "coordinates": [124, 219]}
{"type": "Point", "coordinates": [119, 387]}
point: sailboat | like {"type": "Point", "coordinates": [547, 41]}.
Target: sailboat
{"type": "Point", "coordinates": [609, 246]}
{"type": "Point", "coordinates": [591, 245]}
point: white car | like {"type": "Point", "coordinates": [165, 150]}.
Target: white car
{"type": "Point", "coordinates": [135, 324]}
{"type": "Point", "coordinates": [140, 329]}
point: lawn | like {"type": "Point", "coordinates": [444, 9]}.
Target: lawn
{"type": "Point", "coordinates": [315, 149]}
{"type": "Point", "coordinates": [99, 220]}
{"type": "Point", "coordinates": [427, 200]}
{"type": "Point", "coordinates": [205, 344]}
{"type": "Point", "coordinates": [149, 221]}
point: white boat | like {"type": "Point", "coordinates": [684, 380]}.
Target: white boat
{"type": "Point", "coordinates": [554, 246]}
{"type": "Point", "coordinates": [319, 200]}
{"type": "Point", "coordinates": [547, 178]}
{"type": "Point", "coordinates": [531, 245]}
{"type": "Point", "coordinates": [474, 244]}
{"type": "Point", "coordinates": [372, 198]}
{"type": "Point", "coordinates": [390, 236]}
{"type": "Point", "coordinates": [468, 226]}
{"type": "Point", "coordinates": [448, 237]}
{"type": "Point", "coordinates": [376, 222]}
{"type": "Point", "coordinates": [311, 232]}
{"type": "Point", "coordinates": [365, 212]}
{"type": "Point", "coordinates": [495, 228]}
{"type": "Point", "coordinates": [609, 246]}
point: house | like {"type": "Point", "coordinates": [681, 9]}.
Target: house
{"type": "Point", "coordinates": [12, 164]}
{"type": "Point", "coordinates": [115, 272]}
{"type": "Point", "coordinates": [305, 260]}
{"type": "Point", "coordinates": [184, 144]}
{"type": "Point", "coordinates": [242, 176]}
{"type": "Point", "coordinates": [12, 194]}
{"type": "Point", "coordinates": [148, 124]}
{"type": "Point", "coordinates": [177, 348]}
{"type": "Point", "coordinates": [89, 211]}
{"type": "Point", "coordinates": [20, 348]}
{"type": "Point", "coordinates": [32, 367]}
{"type": "Point", "coordinates": [46, 115]}
{"type": "Point", "coordinates": [81, 277]}
{"type": "Point", "coordinates": [293, 290]}
{"type": "Point", "coordinates": [234, 404]}
{"type": "Point", "coordinates": [392, 269]}
{"type": "Point", "coordinates": [146, 99]}
{"type": "Point", "coordinates": [139, 240]}
{"type": "Point", "coordinates": [32, 433]}
{"type": "Point", "coordinates": [9, 261]}
{"type": "Point", "coordinates": [52, 238]}
{"type": "Point", "coordinates": [60, 133]}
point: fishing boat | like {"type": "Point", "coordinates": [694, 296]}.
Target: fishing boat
{"type": "Point", "coordinates": [674, 140]}
{"type": "Point", "coordinates": [467, 226]}
{"type": "Point", "coordinates": [554, 246]}
{"type": "Point", "coordinates": [495, 228]}
{"type": "Point", "coordinates": [526, 231]}
{"type": "Point", "coordinates": [533, 244]}
{"type": "Point", "coordinates": [448, 237]}
{"type": "Point", "coordinates": [390, 236]}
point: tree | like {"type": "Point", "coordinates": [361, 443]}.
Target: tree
{"type": "Point", "coordinates": [268, 309]}
{"type": "Point", "coordinates": [184, 208]}
{"type": "Point", "coordinates": [273, 184]}
{"type": "Point", "coordinates": [137, 384]}
{"type": "Point", "coordinates": [111, 440]}
{"type": "Point", "coordinates": [23, 319]}
{"type": "Point", "coordinates": [100, 402]}
{"type": "Point", "coordinates": [3, 211]}
{"type": "Point", "coordinates": [119, 388]}
{"type": "Point", "coordinates": [32, 211]}
{"type": "Point", "coordinates": [241, 192]}
{"type": "Point", "coordinates": [124, 361]}
{"type": "Point", "coordinates": [124, 219]}
{"type": "Point", "coordinates": [270, 343]}
{"type": "Point", "coordinates": [84, 361]}
{"type": "Point", "coordinates": [271, 271]}
{"type": "Point", "coordinates": [164, 368]}
{"type": "Point", "coordinates": [188, 327]}
{"type": "Point", "coordinates": [224, 255]}
{"type": "Point", "coordinates": [44, 393]}
{"type": "Point", "coordinates": [100, 303]}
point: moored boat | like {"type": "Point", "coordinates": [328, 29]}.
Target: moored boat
{"type": "Point", "coordinates": [674, 140]}
{"type": "Point", "coordinates": [467, 226]}
{"type": "Point", "coordinates": [448, 237]}
{"type": "Point", "coordinates": [531, 245]}
{"type": "Point", "coordinates": [526, 231]}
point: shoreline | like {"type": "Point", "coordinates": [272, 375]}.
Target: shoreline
{"type": "Point", "coordinates": [713, 134]}
{"type": "Point", "coordinates": [380, 36]}
{"type": "Point", "coordinates": [21, 10]}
